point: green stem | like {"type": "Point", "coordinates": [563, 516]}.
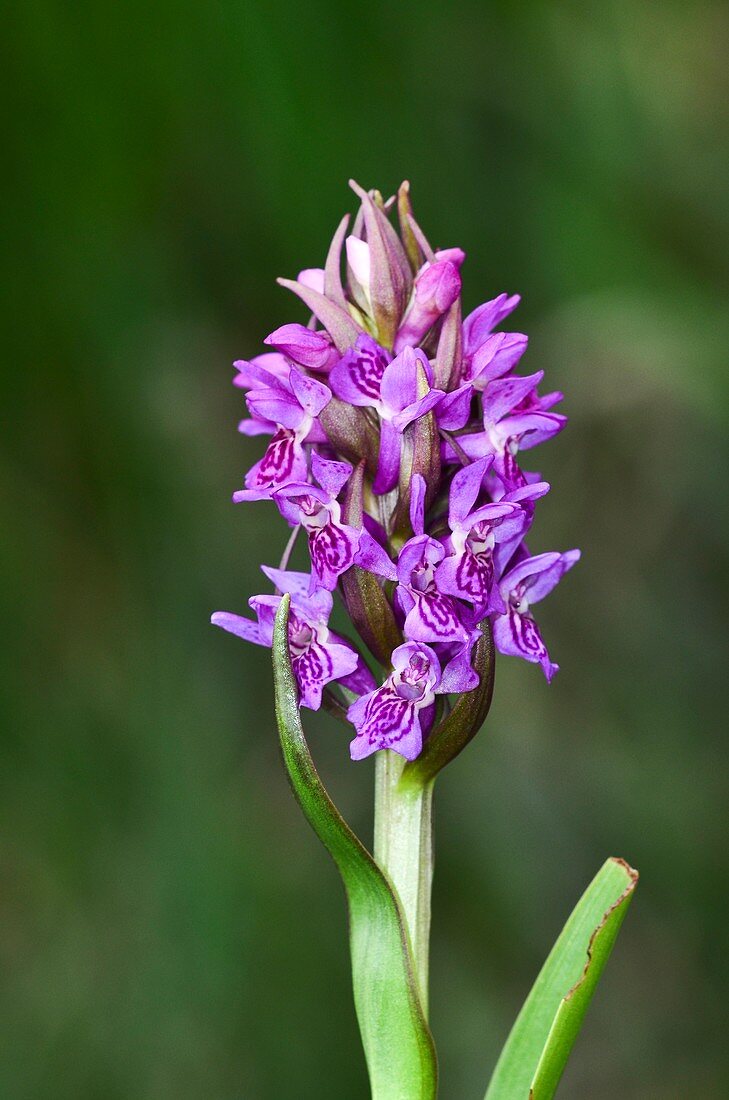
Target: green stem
{"type": "Point", "coordinates": [404, 850]}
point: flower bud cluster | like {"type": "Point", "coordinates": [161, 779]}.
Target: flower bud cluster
{"type": "Point", "coordinates": [394, 431]}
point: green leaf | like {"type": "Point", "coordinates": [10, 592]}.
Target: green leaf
{"type": "Point", "coordinates": [398, 1045]}
{"type": "Point", "coordinates": [535, 1054]}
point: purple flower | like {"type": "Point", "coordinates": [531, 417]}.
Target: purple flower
{"type": "Point", "coordinates": [406, 394]}
{"type": "Point", "coordinates": [514, 419]}
{"type": "Point", "coordinates": [437, 285]}
{"type": "Point", "coordinates": [391, 716]}
{"type": "Point", "coordinates": [254, 373]}
{"type": "Point", "coordinates": [496, 356]}
{"type": "Point", "coordinates": [430, 614]}
{"type": "Point", "coordinates": [291, 405]}
{"type": "Point", "coordinates": [526, 496]}
{"type": "Point", "coordinates": [357, 377]}
{"type": "Point", "coordinates": [332, 544]}
{"type": "Point", "coordinates": [468, 570]}
{"type": "Point", "coordinates": [311, 349]}
{"type": "Point", "coordinates": [318, 656]}
{"type": "Point", "coordinates": [415, 398]}
{"type": "Point", "coordinates": [515, 631]}
{"type": "Point", "coordinates": [484, 319]}
{"type": "Point", "coordinates": [400, 391]}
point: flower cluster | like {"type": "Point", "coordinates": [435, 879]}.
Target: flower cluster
{"type": "Point", "coordinates": [394, 432]}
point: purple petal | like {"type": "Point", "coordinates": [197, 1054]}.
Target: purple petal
{"type": "Point", "coordinates": [455, 408]}
{"type": "Point", "coordinates": [402, 658]}
{"type": "Point", "coordinates": [433, 618]}
{"type": "Point", "coordinates": [316, 606]}
{"type": "Point", "coordinates": [256, 427]}
{"type": "Point", "coordinates": [531, 429]}
{"type": "Point", "coordinates": [519, 636]}
{"type": "Point", "coordinates": [417, 504]}
{"type": "Point", "coordinates": [474, 444]}
{"type": "Point", "coordinates": [360, 681]}
{"type": "Point", "coordinates": [526, 494]}
{"type": "Point", "coordinates": [479, 324]}
{"type": "Point", "coordinates": [540, 574]}
{"type": "Point", "coordinates": [385, 721]}
{"type": "Point", "coordinates": [318, 665]}
{"type": "Point", "coordinates": [453, 255]}
{"type": "Point", "coordinates": [497, 355]}
{"type": "Point", "coordinates": [357, 376]}
{"type": "Point", "coordinates": [313, 278]}
{"type": "Point", "coordinates": [388, 466]}
{"type": "Point", "coordinates": [236, 624]}
{"type": "Point", "coordinates": [332, 476]}
{"type": "Point", "coordinates": [437, 286]}
{"type": "Point", "coordinates": [467, 576]}
{"type": "Point", "coordinates": [418, 408]}
{"type": "Point", "coordinates": [332, 549]}
{"type": "Point", "coordinates": [373, 557]}
{"type": "Point", "coordinates": [312, 395]}
{"type": "Point", "coordinates": [503, 395]}
{"type": "Point", "coordinates": [310, 349]}
{"type": "Point", "coordinates": [459, 674]}
{"type": "Point", "coordinates": [399, 386]}
{"type": "Point", "coordinates": [269, 369]}
{"type": "Point", "coordinates": [283, 462]}
{"type": "Point", "coordinates": [465, 488]}
{"type": "Point", "coordinates": [277, 406]}
{"type": "Point", "coordinates": [418, 553]}
{"type": "Point", "coordinates": [504, 518]}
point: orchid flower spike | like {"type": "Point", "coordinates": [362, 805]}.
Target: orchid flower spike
{"type": "Point", "coordinates": [395, 434]}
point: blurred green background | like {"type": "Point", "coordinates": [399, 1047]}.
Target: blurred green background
{"type": "Point", "coordinates": [169, 927]}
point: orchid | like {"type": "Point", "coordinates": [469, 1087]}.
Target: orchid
{"type": "Point", "coordinates": [400, 390]}
{"type": "Point", "coordinates": [394, 427]}
{"type": "Point", "coordinates": [290, 405]}
{"type": "Point", "coordinates": [318, 656]}
{"type": "Point", "coordinates": [389, 717]}
{"type": "Point", "coordinates": [515, 631]}
{"type": "Point", "coordinates": [304, 346]}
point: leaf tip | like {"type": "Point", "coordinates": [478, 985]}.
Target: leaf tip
{"type": "Point", "coordinates": [631, 872]}
{"type": "Point", "coordinates": [622, 899]}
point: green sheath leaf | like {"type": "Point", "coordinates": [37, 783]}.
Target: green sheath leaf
{"type": "Point", "coordinates": [535, 1054]}
{"type": "Point", "coordinates": [398, 1045]}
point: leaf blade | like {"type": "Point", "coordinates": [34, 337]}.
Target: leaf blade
{"type": "Point", "coordinates": [536, 1051]}
{"type": "Point", "coordinates": [398, 1045]}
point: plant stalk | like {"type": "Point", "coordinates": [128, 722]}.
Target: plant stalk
{"type": "Point", "coordinates": [404, 851]}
